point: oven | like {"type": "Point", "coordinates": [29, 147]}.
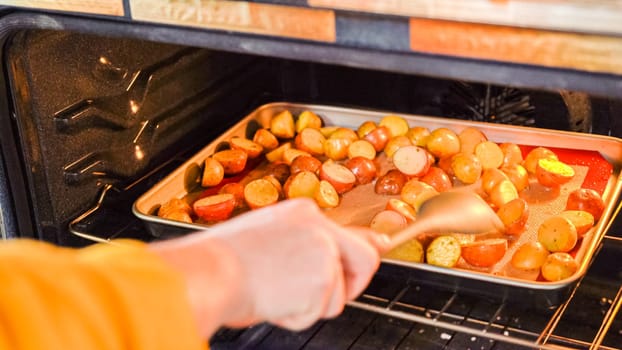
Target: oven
{"type": "Point", "coordinates": [95, 110]}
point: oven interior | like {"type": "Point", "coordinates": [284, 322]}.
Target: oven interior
{"type": "Point", "coordinates": [95, 121]}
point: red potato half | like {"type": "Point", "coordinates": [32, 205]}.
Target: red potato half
{"type": "Point", "coordinates": [415, 192]}
{"type": "Point", "coordinates": [364, 169]}
{"type": "Point", "coordinates": [365, 128]}
{"type": "Point", "coordinates": [361, 148]}
{"type": "Point", "coordinates": [518, 175]}
{"type": "Point", "coordinates": [552, 172]}
{"type": "Point", "coordinates": [328, 130]}
{"type": "Point", "coordinates": [282, 125]}
{"type": "Point", "coordinates": [484, 253]}
{"type": "Point", "coordinates": [338, 175]}
{"type": "Point", "coordinates": [443, 251]}
{"type": "Point", "coordinates": [276, 154]}
{"type": "Point", "coordinates": [531, 160]}
{"type": "Point", "coordinates": [586, 199]}
{"type": "Point", "coordinates": [582, 220]}
{"type": "Point", "coordinates": [252, 149]}
{"type": "Point", "coordinates": [489, 154]}
{"type": "Point", "coordinates": [512, 154]}
{"type": "Point", "coordinates": [418, 135]}
{"type": "Point", "coordinates": [466, 167]}
{"type": "Point", "coordinates": [274, 181]}
{"type": "Point", "coordinates": [308, 119]}
{"type": "Point", "coordinates": [326, 195]}
{"type": "Point", "coordinates": [502, 193]}
{"type": "Point", "coordinates": [469, 138]}
{"type": "Point", "coordinates": [260, 193]}
{"type": "Point", "coordinates": [529, 256]}
{"type": "Point", "coordinates": [514, 215]}
{"type": "Point", "coordinates": [378, 137]}
{"type": "Point", "coordinates": [237, 190]}
{"type": "Point", "coordinates": [292, 153]}
{"type": "Point", "coordinates": [336, 149]}
{"type": "Point", "coordinates": [388, 221]}
{"type": "Point", "coordinates": [438, 179]}
{"type": "Point", "coordinates": [266, 139]}
{"type": "Point", "coordinates": [310, 140]}
{"type": "Point", "coordinates": [557, 234]}
{"type": "Point", "coordinates": [411, 160]}
{"type": "Point", "coordinates": [280, 171]}
{"type": "Point", "coordinates": [305, 163]}
{"type": "Point", "coordinates": [172, 206]}
{"type": "Point", "coordinates": [213, 173]}
{"type": "Point", "coordinates": [405, 209]}
{"type": "Point", "coordinates": [303, 184]}
{"type": "Point", "coordinates": [232, 160]}
{"type": "Point", "coordinates": [397, 125]}
{"type": "Point", "coordinates": [217, 207]}
{"type": "Point", "coordinates": [344, 133]}
{"type": "Point", "coordinates": [390, 183]}
{"type": "Point", "coordinates": [559, 266]}
{"type": "Point", "coordinates": [411, 251]}
{"type": "Point", "coordinates": [396, 143]}
{"type": "Point", "coordinates": [491, 178]}
{"type": "Point", "coordinates": [443, 142]}
{"type": "Point", "coordinates": [181, 216]}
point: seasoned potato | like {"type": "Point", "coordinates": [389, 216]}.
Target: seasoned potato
{"type": "Point", "coordinates": [418, 135]}
{"type": "Point", "coordinates": [512, 154]}
{"type": "Point", "coordinates": [213, 173]}
{"type": "Point", "coordinates": [276, 154]}
{"type": "Point", "coordinates": [308, 119]}
{"type": "Point", "coordinates": [529, 256]}
{"type": "Point", "coordinates": [443, 251]}
{"type": "Point", "coordinates": [532, 158]}
{"type": "Point", "coordinates": [557, 234]}
{"type": "Point", "coordinates": [489, 154]}
{"type": "Point", "coordinates": [582, 220]}
{"type": "Point", "coordinates": [282, 125]}
{"type": "Point", "coordinates": [252, 148]}
{"type": "Point", "coordinates": [443, 142]}
{"type": "Point", "coordinates": [415, 192]}
{"type": "Point", "coordinates": [502, 193]}
{"type": "Point", "coordinates": [266, 139]}
{"type": "Point", "coordinates": [397, 125]}
{"type": "Point", "coordinates": [411, 251]}
{"type": "Point", "coordinates": [491, 178]}
{"type": "Point", "coordinates": [470, 137]}
{"type": "Point", "coordinates": [514, 215]}
{"type": "Point", "coordinates": [486, 252]}
{"type": "Point", "coordinates": [396, 143]}
{"type": "Point", "coordinates": [174, 205]}
{"type": "Point", "coordinates": [466, 167]}
{"type": "Point", "coordinates": [586, 199]}
{"type": "Point", "coordinates": [232, 160]}
{"type": "Point", "coordinates": [390, 183]}
{"type": "Point", "coordinates": [552, 172]}
{"type": "Point", "coordinates": [518, 175]}
{"type": "Point", "coordinates": [388, 222]}
{"type": "Point", "coordinates": [559, 266]}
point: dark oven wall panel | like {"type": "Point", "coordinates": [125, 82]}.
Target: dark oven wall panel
{"type": "Point", "coordinates": [93, 110]}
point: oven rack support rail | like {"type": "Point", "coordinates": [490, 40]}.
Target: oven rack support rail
{"type": "Point", "coordinates": [440, 317]}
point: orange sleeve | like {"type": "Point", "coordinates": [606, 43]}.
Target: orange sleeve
{"type": "Point", "coordinates": [108, 296]}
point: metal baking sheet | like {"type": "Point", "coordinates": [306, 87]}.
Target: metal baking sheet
{"type": "Point", "coordinates": [585, 151]}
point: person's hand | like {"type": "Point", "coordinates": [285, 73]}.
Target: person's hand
{"type": "Point", "coordinates": [288, 264]}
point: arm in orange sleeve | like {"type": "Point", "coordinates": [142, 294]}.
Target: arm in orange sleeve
{"type": "Point", "coordinates": [107, 296]}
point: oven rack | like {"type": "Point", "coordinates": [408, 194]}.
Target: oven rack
{"type": "Point", "coordinates": [417, 310]}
